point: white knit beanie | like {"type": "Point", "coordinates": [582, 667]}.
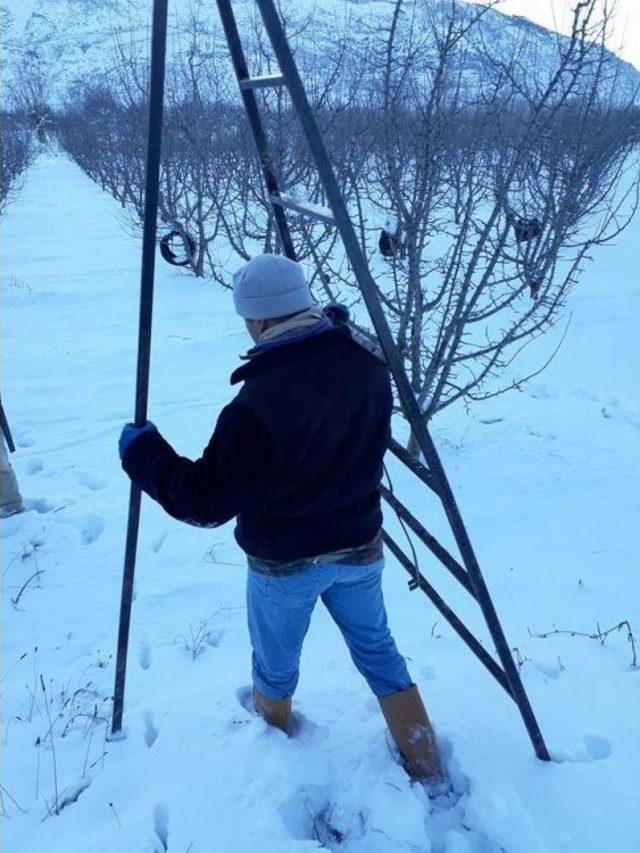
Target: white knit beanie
{"type": "Point", "coordinates": [270, 286]}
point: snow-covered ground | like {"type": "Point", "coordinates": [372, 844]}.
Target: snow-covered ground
{"type": "Point", "coordinates": [548, 482]}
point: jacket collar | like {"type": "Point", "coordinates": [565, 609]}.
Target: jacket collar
{"type": "Point", "coordinates": [288, 352]}
{"type": "Point", "coordinates": [306, 329]}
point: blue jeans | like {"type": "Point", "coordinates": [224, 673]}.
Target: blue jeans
{"type": "Point", "coordinates": [279, 610]}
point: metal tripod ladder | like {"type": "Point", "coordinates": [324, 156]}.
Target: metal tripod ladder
{"type": "Point", "coordinates": [432, 475]}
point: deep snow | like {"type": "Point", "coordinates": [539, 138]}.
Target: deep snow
{"type": "Point", "coordinates": [548, 483]}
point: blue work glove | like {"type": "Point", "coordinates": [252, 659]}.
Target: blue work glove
{"type": "Point", "coordinates": [130, 433]}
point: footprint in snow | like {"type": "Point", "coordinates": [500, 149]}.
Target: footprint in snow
{"type": "Point", "coordinates": [214, 637]}
{"type": "Point", "coordinates": [302, 728]}
{"type": "Point", "coordinates": [308, 816]}
{"type": "Point", "coordinates": [590, 748]}
{"type": "Point", "coordinates": [244, 696]}
{"type": "Point", "coordinates": [459, 784]}
{"type": "Point", "coordinates": [34, 465]}
{"type": "Point", "coordinates": [39, 505]}
{"type": "Point", "coordinates": [245, 699]}
{"type": "Point", "coordinates": [427, 673]}
{"type": "Point", "coordinates": [145, 655]}
{"type": "Point", "coordinates": [150, 729]}
{"type": "Point", "coordinates": [90, 526]}
{"type": "Point", "coordinates": [161, 826]}
{"type": "Point", "coordinates": [90, 481]}
{"type": "Point", "coordinates": [158, 542]}
{"type": "Point", "coordinates": [597, 748]}
{"type": "Point", "coordinates": [551, 670]}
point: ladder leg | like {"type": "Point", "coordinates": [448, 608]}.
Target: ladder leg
{"type": "Point", "coordinates": [154, 143]}
{"type": "Point", "coordinates": [484, 599]}
{"type": "Point", "coordinates": [253, 114]}
{"type": "Point", "coordinates": [410, 405]}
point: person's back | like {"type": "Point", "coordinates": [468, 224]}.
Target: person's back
{"type": "Point", "coordinates": [297, 458]}
{"type": "Point", "coordinates": [326, 403]}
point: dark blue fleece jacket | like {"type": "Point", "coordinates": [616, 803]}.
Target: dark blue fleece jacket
{"type": "Point", "coordinates": [296, 457]}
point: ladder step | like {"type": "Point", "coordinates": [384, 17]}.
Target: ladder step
{"type": "Point", "coordinates": [267, 81]}
{"type": "Point", "coordinates": [438, 551]}
{"type": "Point", "coordinates": [421, 471]}
{"type": "Point", "coordinates": [316, 211]}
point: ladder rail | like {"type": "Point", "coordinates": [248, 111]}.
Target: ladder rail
{"type": "Point", "coordinates": [414, 465]}
{"type": "Point", "coordinates": [427, 539]}
{"type": "Point", "coordinates": [239, 62]}
{"type": "Point", "coordinates": [418, 581]}
{"type": "Point", "coordinates": [151, 193]}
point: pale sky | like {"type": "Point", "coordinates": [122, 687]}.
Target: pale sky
{"type": "Point", "coordinates": [556, 15]}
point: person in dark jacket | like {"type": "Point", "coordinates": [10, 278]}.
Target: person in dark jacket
{"type": "Point", "coordinates": [296, 458]}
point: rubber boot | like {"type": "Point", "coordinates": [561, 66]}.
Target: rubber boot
{"type": "Point", "coordinates": [410, 727]}
{"type": "Point", "coordinates": [10, 500]}
{"type": "Point", "coordinates": [277, 712]}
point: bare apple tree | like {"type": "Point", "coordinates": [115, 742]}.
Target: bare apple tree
{"type": "Point", "coordinates": [31, 79]}
{"type": "Point", "coordinates": [498, 186]}
{"type": "Point", "coordinates": [17, 152]}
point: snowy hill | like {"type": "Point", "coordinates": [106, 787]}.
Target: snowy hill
{"type": "Point", "coordinates": [548, 482]}
{"type": "Point", "coordinates": [69, 38]}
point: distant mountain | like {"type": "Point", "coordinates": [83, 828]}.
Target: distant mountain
{"type": "Point", "coordinates": [69, 38]}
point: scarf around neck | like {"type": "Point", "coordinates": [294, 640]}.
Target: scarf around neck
{"type": "Point", "coordinates": [310, 322]}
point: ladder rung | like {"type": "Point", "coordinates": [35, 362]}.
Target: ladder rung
{"type": "Point", "coordinates": [265, 82]}
{"type": "Point", "coordinates": [438, 551]}
{"type": "Point", "coordinates": [316, 211]}
{"type": "Point", "coordinates": [421, 471]}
